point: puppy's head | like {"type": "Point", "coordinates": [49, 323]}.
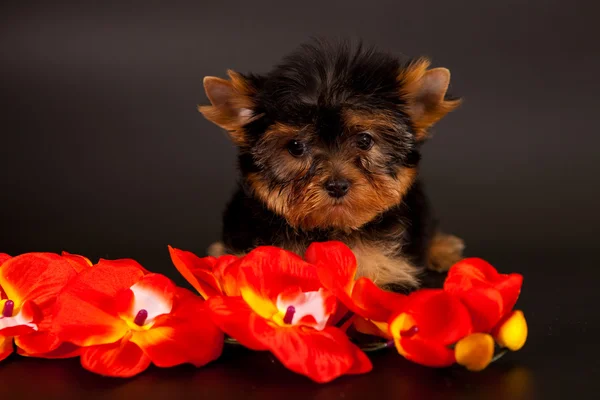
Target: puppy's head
{"type": "Point", "coordinates": [330, 138]}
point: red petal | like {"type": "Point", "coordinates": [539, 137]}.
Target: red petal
{"type": "Point", "coordinates": [197, 271]}
{"type": "Point", "coordinates": [336, 265]}
{"type": "Point", "coordinates": [320, 355]}
{"type": "Point", "coordinates": [86, 310]}
{"type": "Point", "coordinates": [428, 353]}
{"type": "Point", "coordinates": [510, 289]}
{"type": "Point", "coordinates": [226, 270]}
{"type": "Point", "coordinates": [417, 345]}
{"type": "Point", "coordinates": [234, 317]}
{"type": "Point", "coordinates": [374, 303]}
{"type": "Point", "coordinates": [268, 271]}
{"type": "Point", "coordinates": [6, 346]}
{"type": "Point", "coordinates": [187, 335]}
{"type": "Point", "coordinates": [291, 294]}
{"type": "Point", "coordinates": [475, 281]}
{"type": "Point", "coordinates": [35, 276]}
{"type": "Point", "coordinates": [123, 262]}
{"type": "Point", "coordinates": [336, 262]}
{"type": "Point", "coordinates": [37, 343]}
{"type": "Point", "coordinates": [3, 257]}
{"type": "Point", "coordinates": [475, 272]}
{"type": "Point", "coordinates": [45, 345]}
{"type": "Point", "coordinates": [44, 295]}
{"type": "Point", "coordinates": [116, 359]}
{"type": "Point", "coordinates": [16, 330]}
{"type": "Point", "coordinates": [362, 363]}
{"type": "Point", "coordinates": [79, 263]}
{"type": "Point", "coordinates": [439, 316]}
{"type": "Point", "coordinates": [485, 306]}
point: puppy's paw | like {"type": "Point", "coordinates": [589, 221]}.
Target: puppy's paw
{"type": "Point", "coordinates": [445, 251]}
{"type": "Point", "coordinates": [216, 249]}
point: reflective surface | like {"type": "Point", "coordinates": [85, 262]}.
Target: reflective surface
{"type": "Point", "coordinates": [242, 374]}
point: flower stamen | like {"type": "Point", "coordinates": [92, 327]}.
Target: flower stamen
{"type": "Point", "coordinates": [410, 332]}
{"type": "Point", "coordinates": [7, 310]}
{"type": "Point", "coordinates": [141, 317]}
{"type": "Point", "coordinates": [289, 315]}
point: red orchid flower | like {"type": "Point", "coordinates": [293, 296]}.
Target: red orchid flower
{"type": "Point", "coordinates": [465, 305]}
{"type": "Point", "coordinates": [430, 322]}
{"type": "Point", "coordinates": [488, 295]}
{"type": "Point", "coordinates": [205, 274]}
{"type": "Point", "coordinates": [476, 351]}
{"type": "Point", "coordinates": [124, 318]}
{"type": "Point", "coordinates": [490, 298]}
{"type": "Point", "coordinates": [373, 307]}
{"type": "Point", "coordinates": [283, 307]}
{"type": "Point", "coordinates": [29, 285]}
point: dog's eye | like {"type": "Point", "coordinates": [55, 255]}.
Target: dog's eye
{"type": "Point", "coordinates": [296, 148]}
{"type": "Point", "coordinates": [364, 141]}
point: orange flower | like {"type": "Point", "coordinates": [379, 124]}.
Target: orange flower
{"type": "Point", "coordinates": [431, 327]}
{"type": "Point", "coordinates": [29, 285]}
{"type": "Point", "coordinates": [488, 295]}
{"type": "Point", "coordinates": [430, 322]}
{"type": "Point", "coordinates": [205, 274]}
{"type": "Point", "coordinates": [490, 298]}
{"type": "Point", "coordinates": [283, 307]}
{"type": "Point", "coordinates": [124, 318]}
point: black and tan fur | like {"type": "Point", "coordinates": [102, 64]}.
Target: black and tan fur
{"type": "Point", "coordinates": [329, 114]}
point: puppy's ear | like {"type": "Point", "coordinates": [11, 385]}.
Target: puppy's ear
{"type": "Point", "coordinates": [232, 104]}
{"type": "Point", "coordinates": [425, 94]}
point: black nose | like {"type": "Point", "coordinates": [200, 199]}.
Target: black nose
{"type": "Point", "coordinates": [337, 187]}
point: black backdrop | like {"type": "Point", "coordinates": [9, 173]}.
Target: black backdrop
{"type": "Point", "coordinates": [103, 153]}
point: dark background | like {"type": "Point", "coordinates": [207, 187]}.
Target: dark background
{"type": "Point", "coordinates": [103, 153]}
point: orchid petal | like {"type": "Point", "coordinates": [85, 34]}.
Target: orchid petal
{"type": "Point", "coordinates": [475, 280]}
{"type": "Point", "coordinates": [87, 312]}
{"type": "Point", "coordinates": [185, 336]}
{"type": "Point", "coordinates": [6, 346]}
{"type": "Point", "coordinates": [4, 257]}
{"type": "Point", "coordinates": [197, 271]}
{"type": "Point", "coordinates": [27, 277]}
{"type": "Point", "coordinates": [268, 271]}
{"type": "Point", "coordinates": [336, 262]}
{"type": "Point", "coordinates": [320, 355]}
{"type": "Point", "coordinates": [153, 293]}
{"type": "Point", "coordinates": [234, 317]}
{"type": "Point", "coordinates": [430, 321]}
{"type": "Point", "coordinates": [79, 263]}
{"type": "Point", "coordinates": [121, 359]}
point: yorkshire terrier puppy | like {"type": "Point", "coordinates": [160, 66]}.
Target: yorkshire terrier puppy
{"type": "Point", "coordinates": [329, 147]}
